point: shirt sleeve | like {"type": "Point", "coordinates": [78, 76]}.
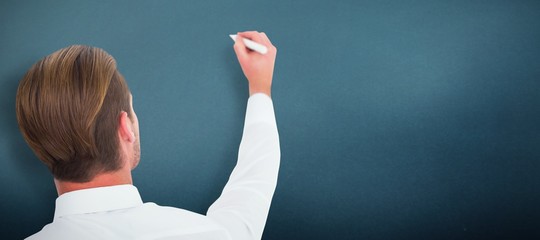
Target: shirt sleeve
{"type": "Point", "coordinates": [245, 201]}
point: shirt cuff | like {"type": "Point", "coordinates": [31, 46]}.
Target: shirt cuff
{"type": "Point", "coordinates": [260, 109]}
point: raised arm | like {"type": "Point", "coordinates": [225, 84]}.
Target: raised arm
{"type": "Point", "coordinates": [245, 201]}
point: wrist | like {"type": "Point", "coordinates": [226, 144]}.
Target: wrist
{"type": "Point", "coordinates": [253, 90]}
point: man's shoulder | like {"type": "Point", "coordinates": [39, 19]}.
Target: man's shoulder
{"type": "Point", "coordinates": [55, 230]}
{"type": "Point", "coordinates": [146, 219]}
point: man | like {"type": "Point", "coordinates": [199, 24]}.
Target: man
{"type": "Point", "coordinates": [75, 111]}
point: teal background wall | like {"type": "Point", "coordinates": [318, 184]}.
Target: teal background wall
{"type": "Point", "coordinates": [398, 119]}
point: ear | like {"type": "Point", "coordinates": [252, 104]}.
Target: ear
{"type": "Point", "coordinates": [125, 128]}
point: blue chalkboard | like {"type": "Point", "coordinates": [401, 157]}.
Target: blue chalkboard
{"type": "Point", "coordinates": [398, 119]}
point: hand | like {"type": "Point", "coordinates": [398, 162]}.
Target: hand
{"type": "Point", "coordinates": [258, 68]}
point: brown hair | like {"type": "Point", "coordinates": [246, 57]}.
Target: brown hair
{"type": "Point", "coordinates": [68, 106]}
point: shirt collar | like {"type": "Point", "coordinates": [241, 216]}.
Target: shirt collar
{"type": "Point", "coordinates": [99, 199]}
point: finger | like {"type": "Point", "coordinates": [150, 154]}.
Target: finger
{"type": "Point", "coordinates": [268, 42]}
{"type": "Point", "coordinates": [254, 36]}
{"type": "Point", "coordinates": [248, 34]}
{"type": "Point", "coordinates": [265, 38]}
{"type": "Point", "coordinates": [240, 48]}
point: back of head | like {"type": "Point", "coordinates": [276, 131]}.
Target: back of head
{"type": "Point", "coordinates": [68, 105]}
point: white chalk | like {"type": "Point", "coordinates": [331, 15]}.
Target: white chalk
{"type": "Point", "coordinates": [252, 45]}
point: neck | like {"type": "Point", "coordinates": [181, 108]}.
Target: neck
{"type": "Point", "coordinates": [101, 180]}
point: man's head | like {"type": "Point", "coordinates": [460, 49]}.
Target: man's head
{"type": "Point", "coordinates": [74, 110]}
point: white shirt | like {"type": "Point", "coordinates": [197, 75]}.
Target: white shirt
{"type": "Point", "coordinates": [118, 212]}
